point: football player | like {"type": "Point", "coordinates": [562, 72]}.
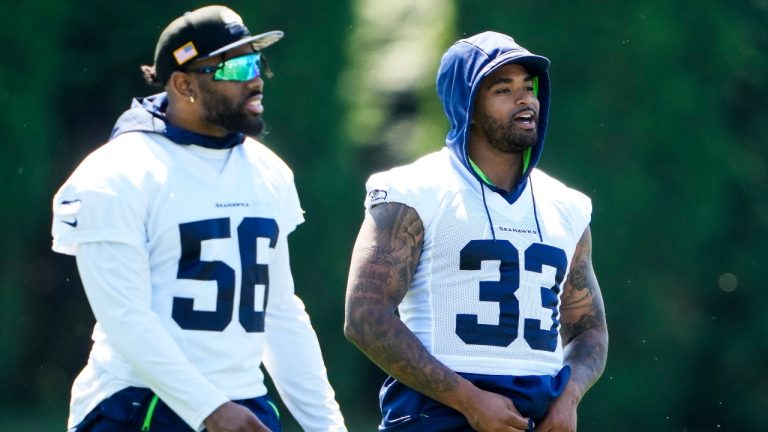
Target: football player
{"type": "Point", "coordinates": [471, 282]}
{"type": "Point", "coordinates": [179, 225]}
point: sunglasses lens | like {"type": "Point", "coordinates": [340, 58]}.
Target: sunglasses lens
{"type": "Point", "coordinates": [243, 68]}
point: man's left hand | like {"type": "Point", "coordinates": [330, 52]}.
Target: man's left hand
{"type": "Point", "coordinates": [561, 416]}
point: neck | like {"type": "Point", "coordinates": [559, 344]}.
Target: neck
{"type": "Point", "coordinates": [502, 169]}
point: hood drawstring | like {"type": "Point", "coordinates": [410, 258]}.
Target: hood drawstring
{"type": "Point", "coordinates": [487, 212]}
{"type": "Point", "coordinates": [535, 214]}
{"type": "Point", "coordinates": [535, 211]}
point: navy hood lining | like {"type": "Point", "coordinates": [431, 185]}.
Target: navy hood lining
{"type": "Point", "coordinates": [148, 115]}
{"type": "Point", "coordinates": [462, 70]}
{"type": "Point", "coordinates": [536, 66]}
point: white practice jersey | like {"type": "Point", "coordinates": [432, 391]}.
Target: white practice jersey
{"type": "Point", "coordinates": [214, 234]}
{"type": "Point", "coordinates": [477, 304]}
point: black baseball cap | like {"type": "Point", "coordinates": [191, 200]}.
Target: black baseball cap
{"type": "Point", "coordinates": [204, 33]}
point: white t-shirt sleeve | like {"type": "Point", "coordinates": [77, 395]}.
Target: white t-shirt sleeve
{"type": "Point", "coordinates": [90, 209]}
{"type": "Point", "coordinates": [292, 212]}
{"type": "Point", "coordinates": [267, 168]}
{"type": "Point", "coordinates": [292, 354]}
{"type": "Point", "coordinates": [116, 279]}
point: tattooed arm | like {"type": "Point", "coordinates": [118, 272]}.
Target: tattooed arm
{"type": "Point", "coordinates": [384, 260]}
{"type": "Point", "coordinates": [585, 337]}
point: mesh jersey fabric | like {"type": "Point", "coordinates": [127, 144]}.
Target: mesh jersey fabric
{"type": "Point", "coordinates": [479, 305]}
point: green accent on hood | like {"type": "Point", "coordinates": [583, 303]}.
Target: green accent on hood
{"type": "Point", "coordinates": [526, 159]}
{"type": "Point", "coordinates": [150, 413]}
{"type": "Point", "coordinates": [527, 152]}
{"type": "Point", "coordinates": [480, 172]}
{"type": "Point", "coordinates": [487, 180]}
{"type": "Point", "coordinates": [274, 407]}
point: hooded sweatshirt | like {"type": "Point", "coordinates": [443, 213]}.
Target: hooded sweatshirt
{"type": "Point", "coordinates": [462, 69]}
{"type": "Point", "coordinates": [137, 212]}
{"type": "Point", "coordinates": [148, 115]}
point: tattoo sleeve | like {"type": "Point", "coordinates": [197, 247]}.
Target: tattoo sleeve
{"type": "Point", "coordinates": [384, 260]}
{"type": "Point", "coordinates": [584, 330]}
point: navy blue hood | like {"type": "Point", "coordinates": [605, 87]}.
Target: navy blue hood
{"type": "Point", "coordinates": [462, 69]}
{"type": "Point", "coordinates": [148, 115]}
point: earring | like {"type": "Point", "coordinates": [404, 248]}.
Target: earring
{"type": "Point", "coordinates": [191, 99]}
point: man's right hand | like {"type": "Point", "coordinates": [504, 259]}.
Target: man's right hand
{"type": "Point", "coordinates": [386, 254]}
{"type": "Point", "coordinates": [231, 417]}
{"type": "Point", "coordinates": [491, 412]}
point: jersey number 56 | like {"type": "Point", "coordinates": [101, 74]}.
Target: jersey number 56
{"type": "Point", "coordinates": [191, 266]}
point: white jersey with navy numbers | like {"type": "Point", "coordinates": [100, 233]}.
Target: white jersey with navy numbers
{"type": "Point", "coordinates": [214, 231]}
{"type": "Point", "coordinates": [479, 304]}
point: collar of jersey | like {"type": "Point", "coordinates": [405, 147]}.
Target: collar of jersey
{"type": "Point", "coordinates": [187, 137]}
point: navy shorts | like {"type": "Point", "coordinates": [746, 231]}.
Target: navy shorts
{"type": "Point", "coordinates": [126, 411]}
{"type": "Point", "coordinates": [406, 410]}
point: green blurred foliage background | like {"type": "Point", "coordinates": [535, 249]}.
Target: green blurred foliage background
{"type": "Point", "coordinates": [658, 113]}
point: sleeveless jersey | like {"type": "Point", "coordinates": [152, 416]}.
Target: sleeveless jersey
{"type": "Point", "coordinates": [478, 304]}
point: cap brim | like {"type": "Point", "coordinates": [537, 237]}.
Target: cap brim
{"type": "Point", "coordinates": [536, 65]}
{"type": "Point", "coordinates": [258, 42]}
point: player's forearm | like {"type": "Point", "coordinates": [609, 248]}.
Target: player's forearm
{"type": "Point", "coordinates": [383, 337]}
{"type": "Point", "coordinates": [384, 261]}
{"type": "Point", "coordinates": [293, 358]}
{"type": "Point", "coordinates": [584, 330]}
{"type": "Point", "coordinates": [586, 354]}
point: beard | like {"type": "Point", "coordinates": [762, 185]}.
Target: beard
{"type": "Point", "coordinates": [505, 136]}
{"type": "Point", "coordinates": [221, 111]}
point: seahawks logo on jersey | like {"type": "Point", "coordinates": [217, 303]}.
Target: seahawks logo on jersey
{"type": "Point", "coordinates": [377, 195]}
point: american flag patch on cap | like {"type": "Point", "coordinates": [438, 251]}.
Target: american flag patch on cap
{"type": "Point", "coordinates": [186, 52]}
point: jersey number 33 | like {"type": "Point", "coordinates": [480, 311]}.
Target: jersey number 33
{"type": "Point", "coordinates": [535, 257]}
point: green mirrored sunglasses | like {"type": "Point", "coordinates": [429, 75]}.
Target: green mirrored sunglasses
{"type": "Point", "coordinates": [241, 68]}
